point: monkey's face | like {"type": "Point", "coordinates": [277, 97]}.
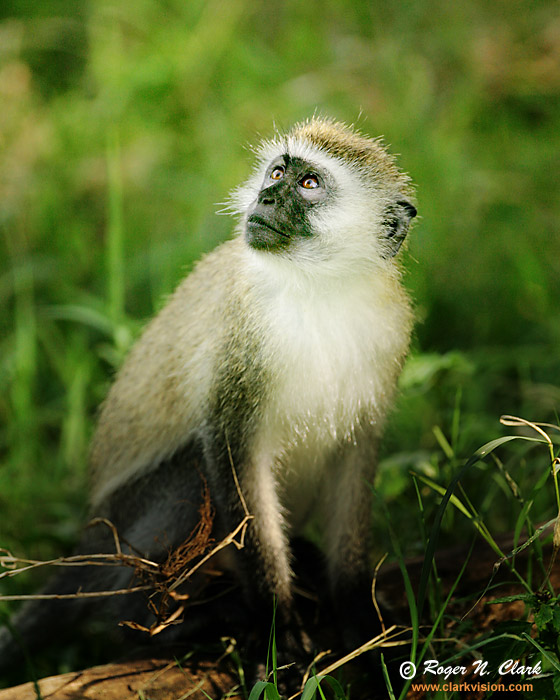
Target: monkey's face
{"type": "Point", "coordinates": [323, 200]}
{"type": "Point", "coordinates": [280, 216]}
{"type": "Point", "coordinates": [310, 209]}
{"type": "Point", "coordinates": [313, 210]}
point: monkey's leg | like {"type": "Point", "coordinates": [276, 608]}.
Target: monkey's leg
{"type": "Point", "coordinates": [349, 535]}
{"type": "Point", "coordinates": [347, 518]}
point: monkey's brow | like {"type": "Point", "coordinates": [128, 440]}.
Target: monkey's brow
{"type": "Point", "coordinates": [295, 162]}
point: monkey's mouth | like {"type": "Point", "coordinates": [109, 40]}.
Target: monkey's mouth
{"type": "Point", "coordinates": [256, 220]}
{"type": "Point", "coordinates": [262, 235]}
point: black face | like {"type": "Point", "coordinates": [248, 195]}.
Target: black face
{"type": "Point", "coordinates": [292, 187]}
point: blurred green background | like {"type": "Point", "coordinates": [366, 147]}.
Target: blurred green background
{"type": "Point", "coordinates": [122, 128]}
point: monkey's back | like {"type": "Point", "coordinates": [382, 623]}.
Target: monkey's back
{"type": "Point", "coordinates": [157, 402]}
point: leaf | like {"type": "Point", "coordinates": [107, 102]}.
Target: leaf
{"type": "Point", "coordinates": [313, 684]}
{"type": "Point", "coordinates": [543, 616]}
{"type": "Point", "coordinates": [525, 597]}
{"type": "Point", "coordinates": [520, 522]}
{"type": "Point", "coordinates": [264, 687]}
{"type": "Point", "coordinates": [556, 617]}
{"type": "Point", "coordinates": [556, 683]}
{"type": "Point", "coordinates": [551, 660]}
{"type": "Point", "coordinates": [454, 500]}
{"type": "Point", "coordinates": [489, 447]}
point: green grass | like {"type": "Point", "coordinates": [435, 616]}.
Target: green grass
{"type": "Point", "coordinates": [118, 141]}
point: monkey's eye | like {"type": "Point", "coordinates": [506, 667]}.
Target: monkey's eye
{"type": "Point", "coordinates": [277, 173]}
{"type": "Point", "coordinates": [309, 181]}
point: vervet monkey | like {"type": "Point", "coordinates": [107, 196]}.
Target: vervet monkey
{"type": "Point", "coordinates": [277, 356]}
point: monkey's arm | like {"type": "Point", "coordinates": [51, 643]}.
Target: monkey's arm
{"type": "Point", "coordinates": [239, 464]}
{"type": "Point", "coordinates": [159, 401]}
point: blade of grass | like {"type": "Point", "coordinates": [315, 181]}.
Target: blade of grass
{"type": "Point", "coordinates": [411, 599]}
{"type": "Point", "coordinates": [480, 455]}
{"type": "Point", "coordinates": [264, 687]}
{"type": "Point", "coordinates": [437, 620]}
{"type": "Point", "coordinates": [115, 273]}
{"type": "Point", "coordinates": [551, 660]}
{"type": "Point", "coordinates": [313, 686]}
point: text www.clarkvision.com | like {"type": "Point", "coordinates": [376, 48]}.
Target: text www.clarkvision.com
{"type": "Point", "coordinates": [450, 686]}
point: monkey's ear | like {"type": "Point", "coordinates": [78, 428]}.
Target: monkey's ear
{"type": "Point", "coordinates": [396, 223]}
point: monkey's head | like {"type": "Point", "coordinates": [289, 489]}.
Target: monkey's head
{"type": "Point", "coordinates": [324, 192]}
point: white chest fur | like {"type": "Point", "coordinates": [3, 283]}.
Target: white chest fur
{"type": "Point", "coordinates": [336, 347]}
